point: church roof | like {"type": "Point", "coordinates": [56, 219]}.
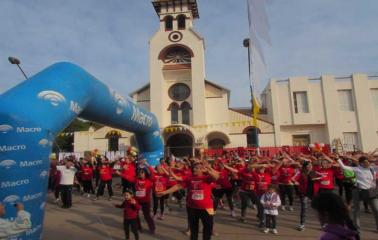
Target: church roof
{"type": "Point", "coordinates": [192, 5]}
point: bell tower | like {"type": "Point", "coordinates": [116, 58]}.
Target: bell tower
{"type": "Point", "coordinates": [177, 65]}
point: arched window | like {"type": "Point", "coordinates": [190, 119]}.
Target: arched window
{"type": "Point", "coordinates": [168, 23]}
{"type": "Point", "coordinates": [174, 108]}
{"type": "Point", "coordinates": [113, 140]}
{"type": "Point", "coordinates": [181, 21]}
{"type": "Point", "coordinates": [216, 143]}
{"type": "Point", "coordinates": [252, 136]}
{"type": "Point", "coordinates": [185, 111]}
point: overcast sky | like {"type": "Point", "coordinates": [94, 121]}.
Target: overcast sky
{"type": "Point", "coordinates": [109, 38]}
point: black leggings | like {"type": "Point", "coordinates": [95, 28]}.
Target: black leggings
{"type": "Point", "coordinates": [66, 192]}
{"type": "Point", "coordinates": [207, 222]}
{"type": "Point", "coordinates": [218, 195]}
{"type": "Point", "coordinates": [270, 221]}
{"type": "Point", "coordinates": [158, 201]}
{"type": "Point", "coordinates": [88, 187]}
{"type": "Point", "coordinates": [286, 190]}
{"type": "Point", "coordinates": [127, 185]}
{"type": "Point", "coordinates": [101, 188]}
{"type": "Point", "coordinates": [133, 223]}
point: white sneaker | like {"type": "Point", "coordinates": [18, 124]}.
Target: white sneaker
{"type": "Point", "coordinates": [56, 200]}
{"type": "Point", "coordinates": [233, 214]}
{"type": "Point", "coordinates": [88, 195]}
{"type": "Point", "coordinates": [283, 208]}
{"type": "Point", "coordinates": [291, 209]}
{"type": "Point", "coordinates": [266, 230]}
{"type": "Point", "coordinates": [274, 231]}
{"type": "Point", "coordinates": [301, 228]}
{"type": "Point", "coordinates": [254, 206]}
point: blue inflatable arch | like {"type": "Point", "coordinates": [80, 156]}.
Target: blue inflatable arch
{"type": "Point", "coordinates": [36, 110]}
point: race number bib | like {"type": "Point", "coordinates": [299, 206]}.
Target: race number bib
{"type": "Point", "coordinates": [197, 195]}
{"type": "Point", "coordinates": [140, 193]}
{"type": "Point", "coordinates": [159, 187]}
{"type": "Point", "coordinates": [327, 182]}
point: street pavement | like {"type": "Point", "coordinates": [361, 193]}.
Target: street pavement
{"type": "Point", "coordinates": [100, 220]}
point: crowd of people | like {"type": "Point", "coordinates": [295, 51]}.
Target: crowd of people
{"type": "Point", "coordinates": [333, 185]}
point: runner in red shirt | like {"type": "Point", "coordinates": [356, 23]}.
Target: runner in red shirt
{"type": "Point", "coordinates": [160, 181]}
{"type": "Point", "coordinates": [223, 187]}
{"type": "Point", "coordinates": [263, 180]}
{"type": "Point", "coordinates": [143, 188]}
{"type": "Point", "coordinates": [130, 214]}
{"type": "Point", "coordinates": [327, 173]}
{"type": "Point", "coordinates": [128, 174]}
{"type": "Point", "coordinates": [87, 177]}
{"type": "Point", "coordinates": [105, 172]}
{"type": "Point", "coordinates": [199, 200]}
{"type": "Point", "coordinates": [286, 184]}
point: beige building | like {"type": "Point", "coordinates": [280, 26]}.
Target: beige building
{"type": "Point", "coordinates": [325, 110]}
{"type": "Point", "coordinates": [193, 112]}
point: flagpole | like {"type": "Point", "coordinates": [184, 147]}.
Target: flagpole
{"type": "Point", "coordinates": [247, 44]}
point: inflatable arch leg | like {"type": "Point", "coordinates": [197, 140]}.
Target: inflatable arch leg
{"type": "Point", "coordinates": [31, 115]}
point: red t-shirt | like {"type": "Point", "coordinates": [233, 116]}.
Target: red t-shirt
{"type": "Point", "coordinates": [199, 191]}
{"type": "Point", "coordinates": [87, 172]}
{"type": "Point", "coordinates": [248, 180]}
{"type": "Point", "coordinates": [130, 211]}
{"type": "Point", "coordinates": [286, 175]}
{"type": "Point", "coordinates": [327, 178]}
{"type": "Point", "coordinates": [128, 172]}
{"type": "Point", "coordinates": [160, 182]}
{"type": "Point", "coordinates": [105, 172]}
{"type": "Point", "coordinates": [262, 182]}
{"type": "Point", "coordinates": [143, 190]}
{"type": "Point", "coordinates": [223, 181]}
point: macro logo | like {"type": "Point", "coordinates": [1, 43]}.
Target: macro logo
{"type": "Point", "coordinates": [4, 128]}
{"type": "Point", "coordinates": [53, 97]}
{"type": "Point", "coordinates": [27, 164]}
{"type": "Point", "coordinates": [8, 148]}
{"type": "Point", "coordinates": [43, 174]}
{"type": "Point", "coordinates": [156, 134]}
{"type": "Point", "coordinates": [31, 197]}
{"type": "Point", "coordinates": [11, 199]}
{"type": "Point", "coordinates": [7, 163]}
{"type": "Point", "coordinates": [9, 184]}
{"type": "Point", "coordinates": [44, 142]}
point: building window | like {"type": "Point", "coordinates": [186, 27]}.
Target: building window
{"type": "Point", "coordinates": [185, 111]}
{"type": "Point", "coordinates": [350, 141]}
{"type": "Point", "coordinates": [174, 108]}
{"type": "Point", "coordinates": [179, 92]}
{"type": "Point", "coordinates": [216, 144]}
{"type": "Point", "coordinates": [374, 96]}
{"type": "Point", "coordinates": [113, 140]}
{"type": "Point", "coordinates": [181, 21]}
{"type": "Point", "coordinates": [168, 23]}
{"type": "Point", "coordinates": [252, 136]}
{"type": "Point", "coordinates": [301, 140]}
{"type": "Point", "coordinates": [345, 100]}
{"type": "Point", "coordinates": [300, 102]}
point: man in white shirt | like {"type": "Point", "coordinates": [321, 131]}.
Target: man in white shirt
{"type": "Point", "coordinates": [67, 178]}
{"type": "Point", "coordinates": [365, 180]}
{"type": "Point", "coordinates": [12, 228]}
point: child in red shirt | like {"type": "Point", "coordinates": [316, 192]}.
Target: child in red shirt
{"type": "Point", "coordinates": [130, 214]}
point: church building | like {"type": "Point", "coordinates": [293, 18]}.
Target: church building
{"type": "Point", "coordinates": [193, 112]}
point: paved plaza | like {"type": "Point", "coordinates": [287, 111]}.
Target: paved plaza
{"type": "Point", "coordinates": [99, 220]}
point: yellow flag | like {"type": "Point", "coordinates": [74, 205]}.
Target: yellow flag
{"type": "Point", "coordinates": [255, 111]}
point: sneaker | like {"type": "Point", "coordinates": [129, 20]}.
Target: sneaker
{"type": "Point", "coordinates": [254, 206]}
{"type": "Point", "coordinates": [95, 199]}
{"type": "Point", "coordinates": [266, 230]}
{"type": "Point", "coordinates": [187, 232]}
{"type": "Point", "coordinates": [242, 220]}
{"type": "Point", "coordinates": [283, 208]}
{"type": "Point", "coordinates": [56, 200]}
{"type": "Point", "coordinates": [274, 231]}
{"type": "Point", "coordinates": [88, 195]}
{"type": "Point", "coordinates": [233, 214]}
{"type": "Point", "coordinates": [214, 234]}
{"type": "Point", "coordinates": [110, 198]}
{"type": "Point", "coordinates": [291, 209]}
{"type": "Point", "coordinates": [301, 228]}
{"type": "Point", "coordinates": [161, 217]}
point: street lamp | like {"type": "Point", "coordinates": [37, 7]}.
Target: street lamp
{"type": "Point", "coordinates": [14, 60]}
{"type": "Point", "coordinates": [246, 43]}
